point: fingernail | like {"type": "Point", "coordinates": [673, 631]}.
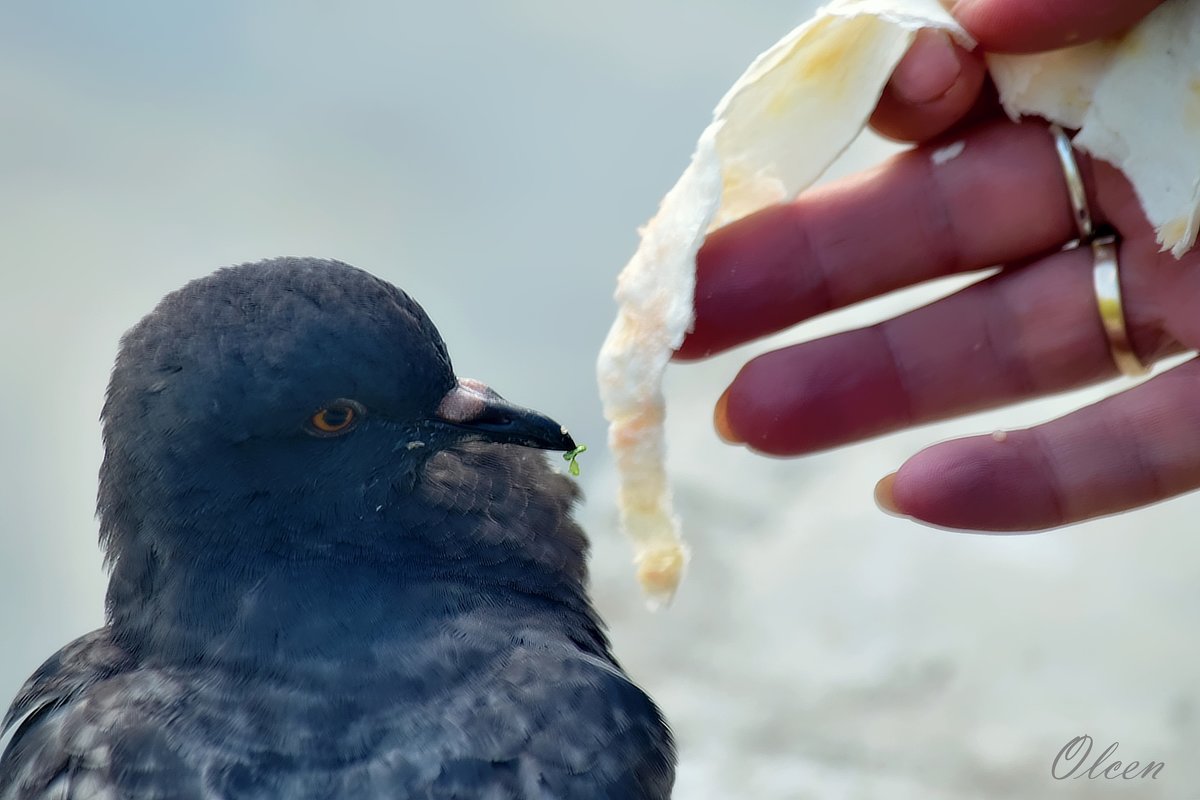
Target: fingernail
{"type": "Point", "coordinates": [721, 421]}
{"type": "Point", "coordinates": [928, 71]}
{"type": "Point", "coordinates": [885, 496]}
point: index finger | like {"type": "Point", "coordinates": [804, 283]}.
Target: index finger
{"type": "Point", "coordinates": [1026, 26]}
{"type": "Point", "coordinates": [994, 197]}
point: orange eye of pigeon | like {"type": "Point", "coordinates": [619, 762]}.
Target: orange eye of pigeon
{"type": "Point", "coordinates": [334, 419]}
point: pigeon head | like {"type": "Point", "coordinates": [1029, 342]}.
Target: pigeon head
{"type": "Point", "coordinates": [293, 356]}
{"type": "Point", "coordinates": [291, 406]}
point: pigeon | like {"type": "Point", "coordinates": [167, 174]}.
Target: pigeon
{"type": "Point", "coordinates": [335, 571]}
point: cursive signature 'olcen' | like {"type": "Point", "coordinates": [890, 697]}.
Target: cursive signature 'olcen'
{"type": "Point", "coordinates": [1073, 757]}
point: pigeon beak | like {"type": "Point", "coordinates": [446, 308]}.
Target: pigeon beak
{"type": "Point", "coordinates": [477, 408]}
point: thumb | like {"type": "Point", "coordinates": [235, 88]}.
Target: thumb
{"type": "Point", "coordinates": [1026, 26]}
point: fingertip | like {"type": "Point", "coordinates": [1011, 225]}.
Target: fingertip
{"type": "Point", "coordinates": [986, 483]}
{"type": "Point", "coordinates": [752, 280]}
{"type": "Point", "coordinates": [933, 87]}
{"type": "Point", "coordinates": [885, 496]}
{"type": "Point", "coordinates": [721, 421]}
{"type": "Point", "coordinates": [929, 69]}
{"type": "Point", "coordinates": [942, 488]}
{"type": "Point", "coordinates": [755, 410]}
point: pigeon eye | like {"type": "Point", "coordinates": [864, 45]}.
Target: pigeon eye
{"type": "Point", "coordinates": [335, 419]}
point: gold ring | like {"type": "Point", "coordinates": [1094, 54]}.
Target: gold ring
{"type": "Point", "coordinates": [1106, 280]}
{"type": "Point", "coordinates": [1075, 188]}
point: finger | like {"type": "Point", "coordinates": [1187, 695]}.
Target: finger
{"type": "Point", "coordinates": [1023, 26]}
{"type": "Point", "coordinates": [998, 196]}
{"type": "Point", "coordinates": [934, 86]}
{"type": "Point", "coordinates": [1130, 450]}
{"type": "Point", "coordinates": [1016, 335]}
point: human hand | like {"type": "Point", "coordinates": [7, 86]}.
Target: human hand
{"type": "Point", "coordinates": [938, 84]}
{"type": "Point", "coordinates": [1031, 329]}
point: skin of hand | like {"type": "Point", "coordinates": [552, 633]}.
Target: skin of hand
{"type": "Point", "coordinates": [938, 83]}
{"type": "Point", "coordinates": [1030, 329]}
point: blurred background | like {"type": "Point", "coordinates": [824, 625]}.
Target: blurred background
{"type": "Point", "coordinates": [495, 159]}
